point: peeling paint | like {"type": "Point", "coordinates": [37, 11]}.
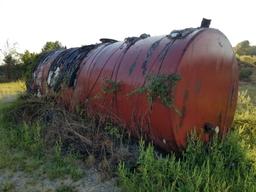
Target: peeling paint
{"type": "Point", "coordinates": [79, 74]}
{"type": "Point", "coordinates": [149, 55]}
{"type": "Point", "coordinates": [180, 34]}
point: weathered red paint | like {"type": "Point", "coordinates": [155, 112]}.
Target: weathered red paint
{"type": "Point", "coordinates": [206, 93]}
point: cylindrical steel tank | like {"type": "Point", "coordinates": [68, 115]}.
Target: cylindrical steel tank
{"type": "Point", "coordinates": [159, 87]}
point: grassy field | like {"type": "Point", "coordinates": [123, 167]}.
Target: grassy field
{"type": "Point", "coordinates": [228, 165]}
{"type": "Point", "coordinates": [12, 88]}
{"type": "Point", "coordinates": [10, 91]}
{"type": "Point", "coordinates": [251, 90]}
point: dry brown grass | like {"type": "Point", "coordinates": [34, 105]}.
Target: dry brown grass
{"type": "Point", "coordinates": [100, 144]}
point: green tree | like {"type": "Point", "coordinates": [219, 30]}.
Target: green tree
{"type": "Point", "coordinates": [10, 62]}
{"type": "Point", "coordinates": [11, 59]}
{"type": "Point", "coordinates": [28, 58]}
{"type": "Point", "coordinates": [244, 48]}
{"type": "Point", "coordinates": [28, 63]}
{"type": "Point", "coordinates": [49, 46]}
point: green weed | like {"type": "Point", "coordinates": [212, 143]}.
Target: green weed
{"type": "Point", "coordinates": [250, 90]}
{"type": "Point", "coordinates": [22, 149]}
{"type": "Point", "coordinates": [161, 87]}
{"type": "Point", "coordinates": [220, 167]}
{"type": "Point", "coordinates": [227, 165]}
{"type": "Point", "coordinates": [59, 166]}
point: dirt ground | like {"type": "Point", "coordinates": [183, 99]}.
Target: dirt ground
{"type": "Point", "coordinates": [8, 99]}
{"type": "Point", "coordinates": [22, 182]}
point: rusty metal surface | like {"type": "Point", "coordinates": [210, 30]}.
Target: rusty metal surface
{"type": "Point", "coordinates": [103, 79]}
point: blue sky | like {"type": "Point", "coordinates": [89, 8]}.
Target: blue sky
{"type": "Point", "coordinates": [30, 23]}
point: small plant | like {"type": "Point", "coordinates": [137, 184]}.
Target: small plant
{"type": "Point", "coordinates": [161, 87]}
{"type": "Point", "coordinates": [31, 138]}
{"type": "Point", "coordinates": [113, 130]}
{"type": "Point", "coordinates": [111, 86]}
{"type": "Point", "coordinates": [59, 165]}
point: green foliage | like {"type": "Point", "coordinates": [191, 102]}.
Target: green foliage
{"type": "Point", "coordinates": [18, 143]}
{"type": "Point", "coordinates": [20, 136]}
{"type": "Point", "coordinates": [227, 165]}
{"type": "Point", "coordinates": [245, 73]}
{"type": "Point", "coordinates": [245, 120]}
{"type": "Point", "coordinates": [22, 149]}
{"type": "Point", "coordinates": [20, 66]}
{"type": "Point", "coordinates": [60, 166]}
{"type": "Point", "coordinates": [244, 48]}
{"type": "Point", "coordinates": [250, 90]}
{"type": "Point", "coordinates": [113, 131]}
{"type": "Point", "coordinates": [28, 62]}
{"type": "Point", "coordinates": [160, 87]}
{"type": "Point", "coordinates": [10, 67]}
{"type": "Point", "coordinates": [111, 86]}
{"type": "Point", "coordinates": [247, 67]}
{"type": "Point", "coordinates": [50, 46]}
{"type": "Point", "coordinates": [9, 60]}
{"type": "Point", "coordinates": [10, 70]}
{"type": "Point", "coordinates": [221, 166]}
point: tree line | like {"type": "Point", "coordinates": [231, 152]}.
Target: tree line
{"type": "Point", "coordinates": [246, 57]}
{"type": "Point", "coordinates": [19, 66]}
{"type": "Point", "coordinates": [244, 48]}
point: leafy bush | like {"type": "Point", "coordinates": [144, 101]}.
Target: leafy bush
{"type": "Point", "coordinates": [245, 74]}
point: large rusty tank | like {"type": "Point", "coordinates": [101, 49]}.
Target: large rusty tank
{"type": "Point", "coordinates": [161, 88]}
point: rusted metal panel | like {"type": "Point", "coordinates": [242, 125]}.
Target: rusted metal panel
{"type": "Point", "coordinates": [118, 79]}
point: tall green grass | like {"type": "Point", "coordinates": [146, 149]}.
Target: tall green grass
{"type": "Point", "coordinates": [227, 165]}
{"type": "Point", "coordinates": [22, 149]}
